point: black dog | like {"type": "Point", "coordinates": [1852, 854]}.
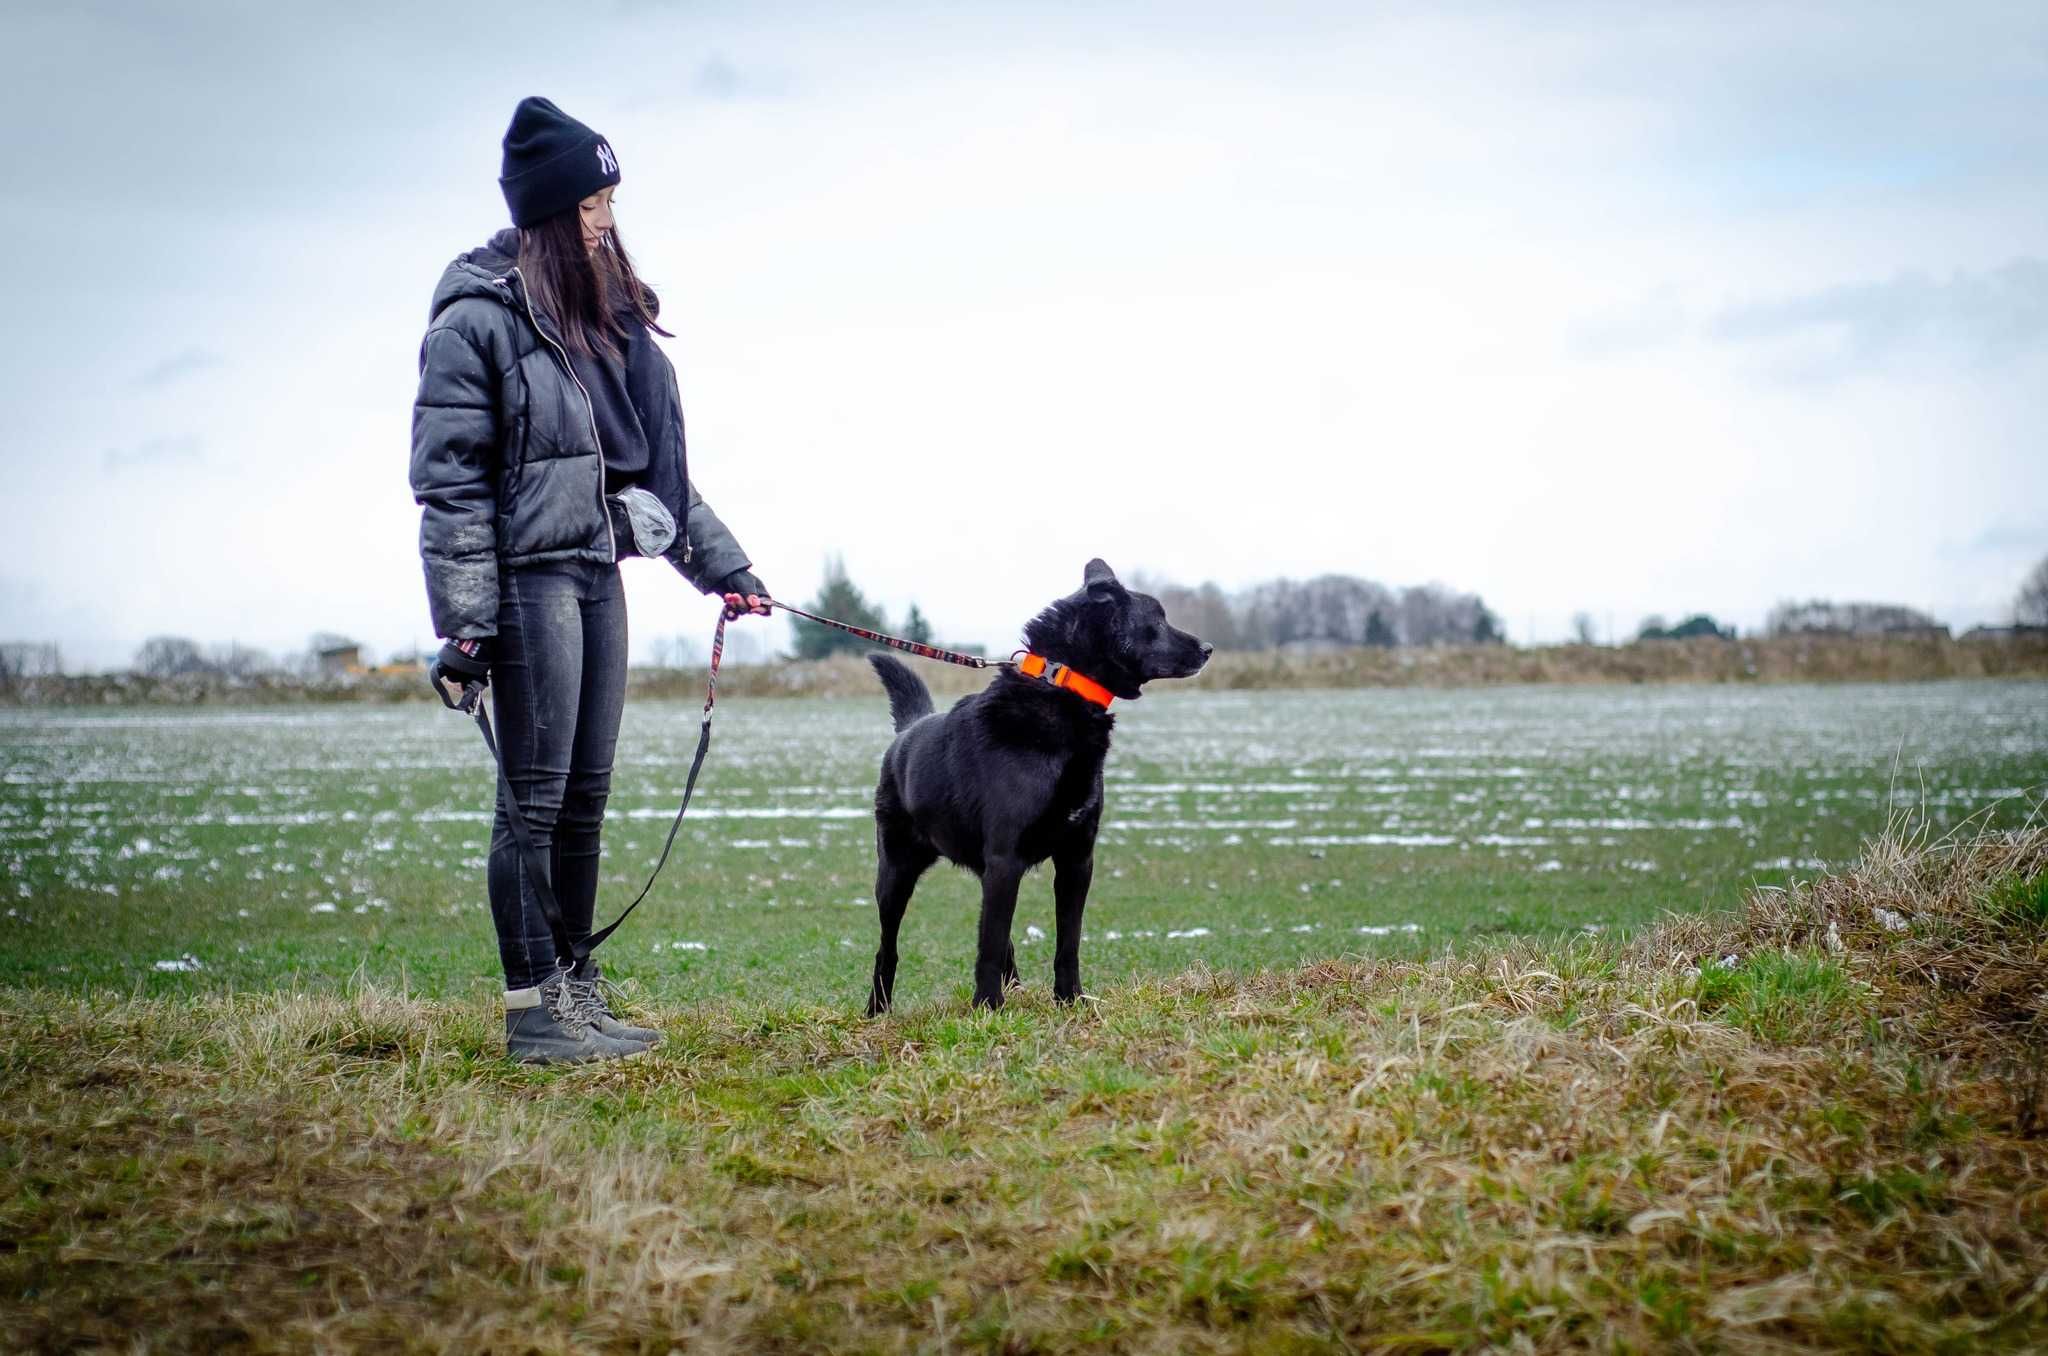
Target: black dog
{"type": "Point", "coordinates": [1013, 775]}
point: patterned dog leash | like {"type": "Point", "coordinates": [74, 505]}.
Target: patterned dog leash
{"type": "Point", "coordinates": [916, 647]}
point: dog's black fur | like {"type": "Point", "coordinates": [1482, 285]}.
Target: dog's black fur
{"type": "Point", "coordinates": [1013, 775]}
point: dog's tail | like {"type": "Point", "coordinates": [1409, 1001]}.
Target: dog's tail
{"type": "Point", "coordinates": [909, 698]}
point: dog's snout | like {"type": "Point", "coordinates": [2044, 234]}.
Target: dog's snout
{"type": "Point", "coordinates": [1207, 649]}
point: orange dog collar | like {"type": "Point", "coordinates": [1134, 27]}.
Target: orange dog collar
{"type": "Point", "coordinates": [1059, 675]}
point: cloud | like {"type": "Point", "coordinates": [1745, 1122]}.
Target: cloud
{"type": "Point", "coordinates": [1983, 318]}
{"type": "Point", "coordinates": [2006, 537]}
{"type": "Point", "coordinates": [180, 364]}
{"type": "Point", "coordinates": [1656, 320]}
{"type": "Point", "coordinates": [718, 78]}
{"type": "Point", "coordinates": [158, 451]}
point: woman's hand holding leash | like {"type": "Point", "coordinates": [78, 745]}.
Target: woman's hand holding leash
{"type": "Point", "coordinates": [745, 595]}
{"type": "Point", "coordinates": [460, 673]}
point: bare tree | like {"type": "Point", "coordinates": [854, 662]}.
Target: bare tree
{"type": "Point", "coordinates": [1328, 610]}
{"type": "Point", "coordinates": [1583, 630]}
{"type": "Point", "coordinates": [678, 651]}
{"type": "Point", "coordinates": [1206, 611]}
{"type": "Point", "coordinates": [240, 661]}
{"type": "Point", "coordinates": [1856, 619]}
{"type": "Point", "coordinates": [2030, 605]}
{"type": "Point", "coordinates": [168, 657]}
{"type": "Point", "coordinates": [1435, 614]}
{"type": "Point", "coordinates": [30, 659]}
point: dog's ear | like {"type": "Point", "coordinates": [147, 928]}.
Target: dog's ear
{"type": "Point", "coordinates": [1101, 582]}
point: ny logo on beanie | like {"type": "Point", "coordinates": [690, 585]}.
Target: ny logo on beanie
{"type": "Point", "coordinates": [606, 159]}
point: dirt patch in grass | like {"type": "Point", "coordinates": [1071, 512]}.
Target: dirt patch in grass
{"type": "Point", "coordinates": [1803, 1128]}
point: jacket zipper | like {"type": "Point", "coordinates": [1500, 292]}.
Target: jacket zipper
{"type": "Point", "coordinates": [590, 412]}
{"type": "Point", "coordinates": [683, 526]}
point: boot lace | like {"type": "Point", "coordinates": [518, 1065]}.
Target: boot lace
{"type": "Point", "coordinates": [567, 1002]}
{"type": "Point", "coordinates": [587, 998]}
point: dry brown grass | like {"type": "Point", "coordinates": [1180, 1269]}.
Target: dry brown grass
{"type": "Point", "coordinates": [1778, 659]}
{"type": "Point", "coordinates": [1800, 1129]}
{"type": "Point", "coordinates": [1787, 659]}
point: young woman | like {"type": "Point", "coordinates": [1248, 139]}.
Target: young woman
{"type": "Point", "coordinates": [547, 445]}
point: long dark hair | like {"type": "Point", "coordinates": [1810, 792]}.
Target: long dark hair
{"type": "Point", "coordinates": [582, 290]}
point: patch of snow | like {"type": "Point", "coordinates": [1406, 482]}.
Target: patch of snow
{"type": "Point", "coordinates": [1188, 932]}
{"type": "Point", "coordinates": [322, 908]}
{"type": "Point", "coordinates": [1893, 922]}
{"type": "Point", "coordinates": [688, 946]}
{"type": "Point", "coordinates": [183, 965]}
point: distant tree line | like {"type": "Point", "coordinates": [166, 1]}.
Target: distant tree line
{"type": "Point", "coordinates": [180, 656]}
{"type": "Point", "coordinates": [1327, 611]}
{"type": "Point", "coordinates": [1853, 619]}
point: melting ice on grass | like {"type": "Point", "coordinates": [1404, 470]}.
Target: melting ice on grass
{"type": "Point", "coordinates": [183, 965]}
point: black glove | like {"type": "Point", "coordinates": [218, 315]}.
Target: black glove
{"type": "Point", "coordinates": [744, 593]}
{"type": "Point", "coordinates": [461, 665]}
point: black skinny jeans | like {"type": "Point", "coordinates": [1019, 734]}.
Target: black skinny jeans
{"type": "Point", "coordinates": [558, 675]}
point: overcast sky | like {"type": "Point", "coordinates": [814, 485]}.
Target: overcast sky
{"type": "Point", "coordinates": [1617, 307]}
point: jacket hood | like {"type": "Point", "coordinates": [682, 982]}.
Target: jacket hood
{"type": "Point", "coordinates": [485, 271]}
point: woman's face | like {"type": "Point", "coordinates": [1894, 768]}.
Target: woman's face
{"type": "Point", "coordinates": [596, 211]}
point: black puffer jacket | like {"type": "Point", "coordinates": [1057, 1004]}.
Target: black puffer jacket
{"type": "Point", "coordinates": [505, 458]}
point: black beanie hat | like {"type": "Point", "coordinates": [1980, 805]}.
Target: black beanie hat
{"type": "Point", "coordinates": [552, 162]}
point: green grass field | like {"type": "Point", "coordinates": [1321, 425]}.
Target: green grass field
{"type": "Point", "coordinates": [171, 851]}
{"type": "Point", "coordinates": [253, 1098]}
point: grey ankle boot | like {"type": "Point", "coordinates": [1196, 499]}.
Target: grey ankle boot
{"type": "Point", "coordinates": [547, 1024]}
{"type": "Point", "coordinates": [584, 983]}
